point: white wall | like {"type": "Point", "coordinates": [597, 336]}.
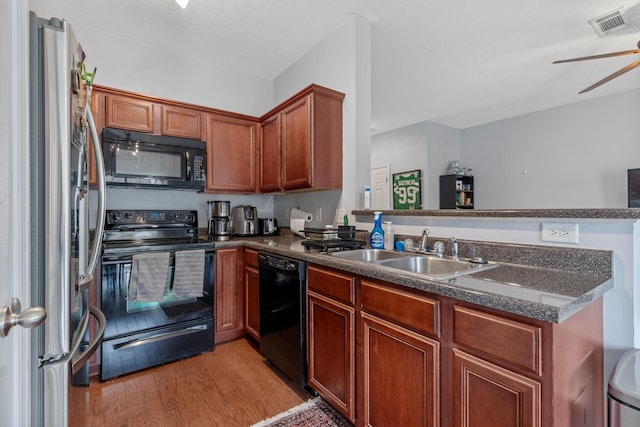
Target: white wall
{"type": "Point", "coordinates": [424, 146]}
{"type": "Point", "coordinates": [341, 62]}
{"type": "Point", "coordinates": [138, 67]}
{"type": "Point", "coordinates": [575, 156]}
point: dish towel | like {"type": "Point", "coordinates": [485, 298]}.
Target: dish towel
{"type": "Point", "coordinates": [149, 272]}
{"type": "Point", "coordinates": [189, 273]}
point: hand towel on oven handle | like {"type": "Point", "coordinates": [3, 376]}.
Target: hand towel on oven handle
{"type": "Point", "coordinates": [149, 276]}
{"type": "Point", "coordinates": [189, 273]}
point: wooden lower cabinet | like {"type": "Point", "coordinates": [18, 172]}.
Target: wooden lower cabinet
{"type": "Point", "coordinates": [492, 396]}
{"type": "Point", "coordinates": [427, 360]}
{"type": "Point", "coordinates": [331, 332]}
{"type": "Point", "coordinates": [229, 296]}
{"type": "Point", "coordinates": [251, 294]}
{"type": "Point", "coordinates": [400, 376]}
{"type": "Point", "coordinates": [508, 370]}
{"type": "Point", "coordinates": [331, 345]}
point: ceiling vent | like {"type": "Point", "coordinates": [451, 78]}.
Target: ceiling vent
{"type": "Point", "coordinates": [610, 22]}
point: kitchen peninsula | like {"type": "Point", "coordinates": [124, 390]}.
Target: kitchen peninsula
{"type": "Point", "coordinates": [523, 338]}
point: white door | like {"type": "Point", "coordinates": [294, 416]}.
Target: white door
{"type": "Point", "coordinates": [380, 187]}
{"type": "Point", "coordinates": [15, 361]}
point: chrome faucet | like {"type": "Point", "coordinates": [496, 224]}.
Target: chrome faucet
{"type": "Point", "coordinates": [438, 248]}
{"type": "Point", "coordinates": [423, 242]}
{"type": "Point", "coordinates": [454, 249]}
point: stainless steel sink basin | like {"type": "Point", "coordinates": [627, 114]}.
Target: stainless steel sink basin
{"type": "Point", "coordinates": [428, 266]}
{"type": "Point", "coordinates": [437, 268]}
{"type": "Point", "coordinates": [367, 255]}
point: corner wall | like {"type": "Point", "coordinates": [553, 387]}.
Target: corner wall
{"type": "Point", "coordinates": [341, 62]}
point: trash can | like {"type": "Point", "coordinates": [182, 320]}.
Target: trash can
{"type": "Point", "coordinates": [624, 391]}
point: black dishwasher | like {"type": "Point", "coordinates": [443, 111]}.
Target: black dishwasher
{"type": "Point", "coordinates": [283, 292]}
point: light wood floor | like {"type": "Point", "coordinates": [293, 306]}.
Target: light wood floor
{"type": "Point", "coordinates": [230, 386]}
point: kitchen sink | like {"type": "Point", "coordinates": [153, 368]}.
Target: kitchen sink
{"type": "Point", "coordinates": [367, 255]}
{"type": "Point", "coordinates": [428, 266]}
{"type": "Point", "coordinates": [435, 267]}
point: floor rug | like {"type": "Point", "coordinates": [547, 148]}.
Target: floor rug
{"type": "Point", "coordinates": [313, 413]}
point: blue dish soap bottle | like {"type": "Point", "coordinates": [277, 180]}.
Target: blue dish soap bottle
{"type": "Point", "coordinates": [376, 238]}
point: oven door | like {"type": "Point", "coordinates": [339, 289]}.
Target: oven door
{"type": "Point", "coordinates": [126, 316]}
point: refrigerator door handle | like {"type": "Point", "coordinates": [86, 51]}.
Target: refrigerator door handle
{"type": "Point", "coordinates": [97, 150]}
{"type": "Point", "coordinates": [79, 360]}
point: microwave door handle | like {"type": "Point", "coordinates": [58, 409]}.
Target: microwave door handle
{"type": "Point", "coordinates": [102, 189]}
{"type": "Point", "coordinates": [187, 167]}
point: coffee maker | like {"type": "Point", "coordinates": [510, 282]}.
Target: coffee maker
{"type": "Point", "coordinates": [219, 220]}
{"type": "Point", "coordinates": [245, 221]}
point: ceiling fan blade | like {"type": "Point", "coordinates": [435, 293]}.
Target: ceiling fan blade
{"type": "Point", "coordinates": [604, 55]}
{"type": "Point", "coordinates": [612, 76]}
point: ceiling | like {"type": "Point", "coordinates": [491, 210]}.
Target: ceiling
{"type": "Point", "coordinates": [460, 63]}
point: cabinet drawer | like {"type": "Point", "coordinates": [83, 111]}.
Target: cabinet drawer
{"type": "Point", "coordinates": [251, 258]}
{"type": "Point", "coordinates": [331, 283]}
{"type": "Point", "coordinates": [414, 311]}
{"type": "Point", "coordinates": [512, 341]}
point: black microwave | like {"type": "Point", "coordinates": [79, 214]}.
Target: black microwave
{"type": "Point", "coordinates": [135, 159]}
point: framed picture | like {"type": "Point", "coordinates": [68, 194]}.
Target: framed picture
{"type": "Point", "coordinates": [407, 190]}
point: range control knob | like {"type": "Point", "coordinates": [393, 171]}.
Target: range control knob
{"type": "Point", "coordinates": [127, 215]}
{"type": "Point", "coordinates": [178, 215]}
{"type": "Point", "coordinates": [115, 216]}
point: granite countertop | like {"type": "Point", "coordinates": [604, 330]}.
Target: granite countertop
{"type": "Point", "coordinates": [533, 290]}
{"type": "Point", "coordinates": [598, 213]}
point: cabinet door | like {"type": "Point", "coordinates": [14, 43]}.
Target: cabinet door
{"type": "Point", "coordinates": [231, 154]}
{"type": "Point", "coordinates": [400, 376]}
{"type": "Point", "coordinates": [331, 343]}
{"type": "Point", "coordinates": [296, 145]}
{"type": "Point", "coordinates": [270, 155]}
{"type": "Point", "coordinates": [123, 112]}
{"type": "Point", "coordinates": [252, 302]}
{"type": "Point", "coordinates": [488, 395]}
{"type": "Point", "coordinates": [181, 122]}
{"type": "Point", "coordinates": [229, 296]}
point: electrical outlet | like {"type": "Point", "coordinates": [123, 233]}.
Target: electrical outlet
{"type": "Point", "coordinates": [318, 214]}
{"type": "Point", "coordinates": [559, 232]}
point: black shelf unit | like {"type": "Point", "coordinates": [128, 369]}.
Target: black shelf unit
{"type": "Point", "coordinates": [456, 192]}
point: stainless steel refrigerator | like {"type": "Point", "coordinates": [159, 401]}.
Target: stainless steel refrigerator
{"type": "Point", "coordinates": [64, 258]}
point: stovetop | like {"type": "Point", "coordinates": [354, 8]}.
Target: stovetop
{"type": "Point", "coordinates": [133, 231]}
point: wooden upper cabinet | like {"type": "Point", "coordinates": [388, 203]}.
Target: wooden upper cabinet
{"type": "Point", "coordinates": [123, 112]}
{"type": "Point", "coordinates": [181, 122]}
{"type": "Point", "coordinates": [231, 154]}
{"type": "Point", "coordinates": [270, 155]}
{"type": "Point", "coordinates": [310, 132]}
{"type": "Point", "coordinates": [142, 114]}
{"type": "Point", "coordinates": [296, 145]}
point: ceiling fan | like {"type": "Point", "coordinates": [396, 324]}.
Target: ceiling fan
{"type": "Point", "coordinates": [606, 55]}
